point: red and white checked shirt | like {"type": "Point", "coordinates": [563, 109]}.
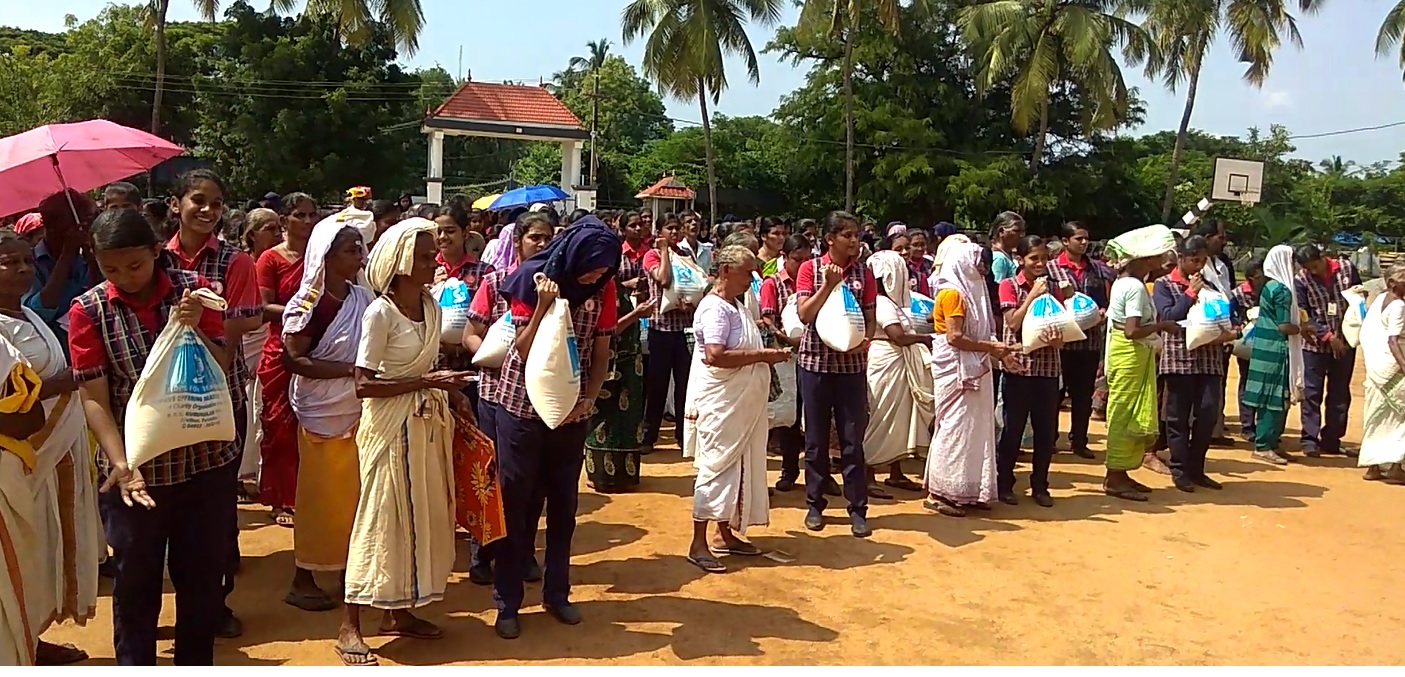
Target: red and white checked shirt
{"type": "Point", "coordinates": [814, 355]}
{"type": "Point", "coordinates": [1045, 362]}
{"type": "Point", "coordinates": [1322, 299]}
{"type": "Point", "coordinates": [673, 320]}
{"type": "Point", "coordinates": [487, 307]}
{"type": "Point", "coordinates": [594, 318]}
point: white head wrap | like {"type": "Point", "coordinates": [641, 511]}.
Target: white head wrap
{"type": "Point", "coordinates": [394, 253]}
{"type": "Point", "coordinates": [299, 309]}
{"type": "Point", "coordinates": [890, 268]}
{"type": "Point", "coordinates": [1279, 267]}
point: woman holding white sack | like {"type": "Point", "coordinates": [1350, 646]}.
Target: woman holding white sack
{"type": "Point", "coordinates": [69, 541]}
{"type": "Point", "coordinates": [402, 542]}
{"type": "Point", "coordinates": [1383, 425]}
{"type": "Point", "coordinates": [726, 432]}
{"type": "Point", "coordinates": [899, 380]}
{"type": "Point", "coordinates": [669, 352]}
{"type": "Point", "coordinates": [576, 270]}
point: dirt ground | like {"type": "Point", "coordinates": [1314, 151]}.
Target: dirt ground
{"type": "Point", "coordinates": [1287, 565]}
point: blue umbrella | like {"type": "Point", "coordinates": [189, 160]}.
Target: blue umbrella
{"type": "Point", "coordinates": [526, 195]}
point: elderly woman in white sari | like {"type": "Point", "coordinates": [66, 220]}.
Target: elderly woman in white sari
{"type": "Point", "coordinates": [22, 601]}
{"type": "Point", "coordinates": [961, 470]}
{"type": "Point", "coordinates": [727, 417]}
{"type": "Point", "coordinates": [402, 540]}
{"type": "Point", "coordinates": [321, 333]}
{"type": "Point", "coordinates": [899, 380]}
{"type": "Point", "coordinates": [69, 535]}
{"type": "Point", "coordinates": [1383, 434]}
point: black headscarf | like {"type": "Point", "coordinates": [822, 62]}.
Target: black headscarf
{"type": "Point", "coordinates": [588, 244]}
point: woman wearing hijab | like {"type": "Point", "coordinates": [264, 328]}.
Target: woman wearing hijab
{"type": "Point", "coordinates": [1132, 343]}
{"type": "Point", "coordinates": [321, 333]}
{"type": "Point", "coordinates": [1276, 363]}
{"type": "Point", "coordinates": [727, 415]}
{"type": "Point", "coordinates": [402, 540]}
{"type": "Point", "coordinates": [899, 379]}
{"type": "Point", "coordinates": [578, 266]}
{"type": "Point", "coordinates": [500, 254]}
{"type": "Point", "coordinates": [961, 465]}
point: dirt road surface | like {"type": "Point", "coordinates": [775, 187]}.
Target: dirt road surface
{"type": "Point", "coordinates": [1290, 565]}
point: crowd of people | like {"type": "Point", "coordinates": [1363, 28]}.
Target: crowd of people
{"type": "Point", "coordinates": [372, 435]}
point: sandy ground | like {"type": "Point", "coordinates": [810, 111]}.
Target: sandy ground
{"type": "Point", "coordinates": [1289, 565]}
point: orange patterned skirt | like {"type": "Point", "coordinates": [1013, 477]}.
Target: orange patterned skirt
{"type": "Point", "coordinates": [477, 494]}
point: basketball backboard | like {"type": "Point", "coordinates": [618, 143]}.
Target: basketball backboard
{"type": "Point", "coordinates": [1238, 180]}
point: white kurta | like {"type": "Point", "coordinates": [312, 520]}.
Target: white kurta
{"type": "Point", "coordinates": [899, 393]}
{"type": "Point", "coordinates": [726, 431]}
{"type": "Point", "coordinates": [402, 545]}
{"type": "Point", "coordinates": [65, 489]}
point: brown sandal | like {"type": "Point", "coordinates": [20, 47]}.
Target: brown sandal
{"type": "Point", "coordinates": [944, 508]}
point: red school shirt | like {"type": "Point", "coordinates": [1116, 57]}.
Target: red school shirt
{"type": "Point", "coordinates": [86, 343]}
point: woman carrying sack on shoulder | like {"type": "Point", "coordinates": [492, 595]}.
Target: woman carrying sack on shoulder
{"type": "Point", "coordinates": [669, 354]}
{"type": "Point", "coordinates": [535, 461]}
{"type": "Point", "coordinates": [182, 501]}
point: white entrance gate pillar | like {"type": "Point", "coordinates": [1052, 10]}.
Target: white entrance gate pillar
{"type": "Point", "coordinates": [434, 181]}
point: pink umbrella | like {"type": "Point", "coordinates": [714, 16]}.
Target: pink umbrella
{"type": "Point", "coordinates": [81, 156]}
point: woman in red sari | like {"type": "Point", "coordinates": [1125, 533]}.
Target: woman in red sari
{"type": "Point", "coordinates": [279, 274]}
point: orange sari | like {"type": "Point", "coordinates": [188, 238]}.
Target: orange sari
{"type": "Point", "coordinates": [478, 496]}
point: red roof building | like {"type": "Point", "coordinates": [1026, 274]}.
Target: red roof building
{"type": "Point", "coordinates": [667, 195]}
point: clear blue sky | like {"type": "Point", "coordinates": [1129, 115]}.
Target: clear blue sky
{"type": "Point", "coordinates": [1335, 83]}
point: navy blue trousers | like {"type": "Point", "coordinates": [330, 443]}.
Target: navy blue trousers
{"type": "Point", "coordinates": [1326, 381]}
{"type": "Point", "coordinates": [840, 400]}
{"type": "Point", "coordinates": [189, 523]}
{"type": "Point", "coordinates": [669, 357]}
{"type": "Point", "coordinates": [536, 463]}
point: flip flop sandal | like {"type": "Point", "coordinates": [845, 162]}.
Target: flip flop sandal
{"type": "Point", "coordinates": [708, 564]}
{"type": "Point", "coordinates": [361, 651]}
{"type": "Point", "coordinates": [903, 484]}
{"type": "Point", "coordinates": [976, 506]}
{"type": "Point", "coordinates": [742, 550]}
{"type": "Point", "coordinates": [310, 602]}
{"type": "Point", "coordinates": [283, 518]}
{"type": "Point", "coordinates": [60, 654]}
{"type": "Point", "coordinates": [875, 492]}
{"type": "Point", "coordinates": [1126, 495]}
{"type": "Point", "coordinates": [1141, 488]}
{"type": "Point", "coordinates": [412, 633]}
{"type": "Point", "coordinates": [943, 508]}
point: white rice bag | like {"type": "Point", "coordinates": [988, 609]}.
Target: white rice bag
{"type": "Point", "coordinates": [919, 311]}
{"type": "Point", "coordinates": [1045, 312]}
{"type": "Point", "coordinates": [1353, 317]}
{"type": "Point", "coordinates": [1208, 318]}
{"type": "Point", "coordinates": [1085, 311]}
{"type": "Point", "coordinates": [840, 322]}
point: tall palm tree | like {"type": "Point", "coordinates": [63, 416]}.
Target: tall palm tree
{"type": "Point", "coordinates": [1046, 44]}
{"type": "Point", "coordinates": [355, 21]}
{"type": "Point", "coordinates": [687, 42]}
{"type": "Point", "coordinates": [599, 50]}
{"type": "Point", "coordinates": [839, 20]}
{"type": "Point", "coordinates": [1182, 32]}
{"type": "Point", "coordinates": [1392, 30]}
{"type": "Point", "coordinates": [591, 65]}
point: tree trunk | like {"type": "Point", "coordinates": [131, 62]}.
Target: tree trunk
{"type": "Point", "coordinates": [848, 122]}
{"type": "Point", "coordinates": [1041, 141]}
{"type": "Point", "coordinates": [707, 147]}
{"type": "Point", "coordinates": [594, 125]}
{"type": "Point", "coordinates": [161, 7]}
{"type": "Point", "coordinates": [1169, 202]}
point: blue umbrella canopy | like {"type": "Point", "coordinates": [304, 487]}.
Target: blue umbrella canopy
{"type": "Point", "coordinates": [526, 195]}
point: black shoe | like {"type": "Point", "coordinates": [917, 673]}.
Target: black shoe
{"type": "Point", "coordinates": [565, 613]}
{"type": "Point", "coordinates": [229, 627]}
{"type": "Point", "coordinates": [1083, 452]}
{"type": "Point", "coordinates": [481, 575]}
{"type": "Point", "coordinates": [1222, 441]}
{"type": "Point", "coordinates": [1185, 484]}
{"type": "Point", "coordinates": [814, 521]}
{"type": "Point", "coordinates": [859, 526]}
{"type": "Point", "coordinates": [1009, 498]}
{"type": "Point", "coordinates": [534, 571]}
{"type": "Point", "coordinates": [1044, 500]}
{"type": "Point", "coordinates": [831, 488]}
{"type": "Point", "coordinates": [1203, 481]}
{"type": "Point", "coordinates": [507, 627]}
{"type": "Point", "coordinates": [785, 484]}
{"type": "Point", "coordinates": [1312, 453]}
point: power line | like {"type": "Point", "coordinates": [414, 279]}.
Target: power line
{"type": "Point", "coordinates": [1341, 132]}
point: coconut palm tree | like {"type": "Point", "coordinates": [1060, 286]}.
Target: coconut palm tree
{"type": "Point", "coordinates": [1392, 30]}
{"type": "Point", "coordinates": [838, 20]}
{"type": "Point", "coordinates": [355, 21]}
{"type": "Point", "coordinates": [599, 51]}
{"type": "Point", "coordinates": [1183, 30]}
{"type": "Point", "coordinates": [686, 44]}
{"type": "Point", "coordinates": [1047, 44]}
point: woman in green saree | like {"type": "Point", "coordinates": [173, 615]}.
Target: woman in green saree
{"type": "Point", "coordinates": [1130, 367]}
{"type": "Point", "coordinates": [616, 439]}
{"type": "Point", "coordinates": [1276, 363]}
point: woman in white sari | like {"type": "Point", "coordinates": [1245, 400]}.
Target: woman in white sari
{"type": "Point", "coordinates": [727, 422]}
{"type": "Point", "coordinates": [402, 542]}
{"type": "Point", "coordinates": [1383, 434]}
{"type": "Point", "coordinates": [961, 469]}
{"type": "Point", "coordinates": [21, 559]}
{"type": "Point", "coordinates": [69, 535]}
{"type": "Point", "coordinates": [899, 380]}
